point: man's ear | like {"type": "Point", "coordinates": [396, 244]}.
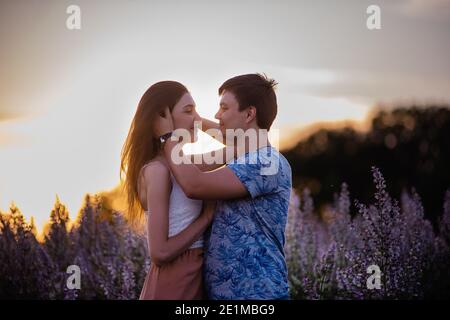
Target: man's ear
{"type": "Point", "coordinates": [251, 114]}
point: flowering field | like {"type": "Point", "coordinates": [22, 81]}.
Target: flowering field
{"type": "Point", "coordinates": [113, 259]}
{"type": "Point", "coordinates": [326, 259]}
{"type": "Point", "coordinates": [330, 261]}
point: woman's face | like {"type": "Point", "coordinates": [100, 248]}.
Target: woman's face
{"type": "Point", "coordinates": [184, 115]}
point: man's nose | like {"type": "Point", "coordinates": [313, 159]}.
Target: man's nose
{"type": "Point", "coordinates": [217, 116]}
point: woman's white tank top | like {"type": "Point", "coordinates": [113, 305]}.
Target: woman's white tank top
{"type": "Point", "coordinates": [182, 212]}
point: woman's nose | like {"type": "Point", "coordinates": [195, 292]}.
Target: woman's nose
{"type": "Point", "coordinates": [197, 117]}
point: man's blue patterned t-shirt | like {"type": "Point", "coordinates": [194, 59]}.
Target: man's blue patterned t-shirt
{"type": "Point", "coordinates": [244, 256]}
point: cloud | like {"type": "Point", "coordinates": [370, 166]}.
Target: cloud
{"type": "Point", "coordinates": [366, 86]}
{"type": "Point", "coordinates": [432, 9]}
{"type": "Point", "coordinates": [6, 115]}
{"type": "Point", "coordinates": [7, 136]}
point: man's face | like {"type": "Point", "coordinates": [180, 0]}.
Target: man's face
{"type": "Point", "coordinates": [229, 115]}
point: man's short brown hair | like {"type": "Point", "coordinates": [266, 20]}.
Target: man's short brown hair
{"type": "Point", "coordinates": [254, 90]}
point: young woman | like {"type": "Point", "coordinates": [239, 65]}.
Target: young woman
{"type": "Point", "coordinates": [175, 223]}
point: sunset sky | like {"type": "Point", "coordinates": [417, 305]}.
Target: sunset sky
{"type": "Point", "coordinates": [67, 97]}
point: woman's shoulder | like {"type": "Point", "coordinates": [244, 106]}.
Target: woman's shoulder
{"type": "Point", "coordinates": [157, 166]}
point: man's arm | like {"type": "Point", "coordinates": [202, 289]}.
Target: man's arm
{"type": "Point", "coordinates": [209, 126]}
{"type": "Point", "coordinates": [219, 184]}
{"type": "Point", "coordinates": [220, 156]}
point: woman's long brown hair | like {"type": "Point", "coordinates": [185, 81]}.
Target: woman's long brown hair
{"type": "Point", "coordinates": [141, 145]}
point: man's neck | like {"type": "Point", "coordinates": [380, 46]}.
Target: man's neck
{"type": "Point", "coordinates": [246, 147]}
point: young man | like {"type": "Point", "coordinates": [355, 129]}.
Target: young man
{"type": "Point", "coordinates": [244, 256]}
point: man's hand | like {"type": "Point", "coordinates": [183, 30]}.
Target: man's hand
{"type": "Point", "coordinates": [164, 124]}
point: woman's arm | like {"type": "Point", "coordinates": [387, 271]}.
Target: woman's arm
{"type": "Point", "coordinates": [162, 248]}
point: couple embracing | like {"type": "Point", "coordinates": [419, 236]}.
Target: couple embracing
{"type": "Point", "coordinates": [214, 230]}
